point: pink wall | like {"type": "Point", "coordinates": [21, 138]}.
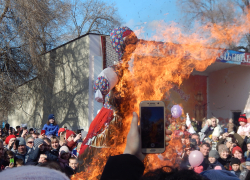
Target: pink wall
{"type": "Point", "coordinates": [228, 90]}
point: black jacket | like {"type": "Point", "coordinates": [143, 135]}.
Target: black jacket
{"type": "Point", "coordinates": [123, 167]}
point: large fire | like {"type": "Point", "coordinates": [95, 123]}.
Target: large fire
{"type": "Point", "coordinates": [153, 71]}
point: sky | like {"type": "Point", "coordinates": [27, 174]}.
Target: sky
{"type": "Point", "coordinates": [146, 13]}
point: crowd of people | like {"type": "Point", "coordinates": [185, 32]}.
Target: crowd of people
{"type": "Point", "coordinates": [224, 147]}
{"type": "Point", "coordinates": [54, 147]}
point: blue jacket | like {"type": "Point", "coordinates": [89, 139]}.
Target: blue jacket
{"type": "Point", "coordinates": [51, 129]}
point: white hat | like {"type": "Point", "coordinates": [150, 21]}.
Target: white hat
{"type": "Point", "coordinates": [216, 132]}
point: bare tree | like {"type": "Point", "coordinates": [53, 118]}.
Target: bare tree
{"type": "Point", "coordinates": [223, 12]}
{"type": "Point", "coordinates": [28, 28]}
{"type": "Point", "coordinates": [93, 16]}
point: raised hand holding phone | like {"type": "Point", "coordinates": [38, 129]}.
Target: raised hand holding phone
{"type": "Point", "coordinates": [133, 145]}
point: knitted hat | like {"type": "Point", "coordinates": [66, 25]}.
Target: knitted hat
{"type": "Point", "coordinates": [248, 141]}
{"type": "Point", "coordinates": [8, 138]}
{"type": "Point", "coordinates": [38, 141]}
{"type": "Point", "coordinates": [51, 116]}
{"type": "Point", "coordinates": [243, 118]}
{"type": "Point", "coordinates": [34, 173]}
{"type": "Point", "coordinates": [21, 141]}
{"type": "Point", "coordinates": [60, 130]}
{"type": "Point", "coordinates": [236, 148]}
{"type": "Point", "coordinates": [214, 153]}
{"type": "Point", "coordinates": [235, 161]}
{"type": "Point", "coordinates": [63, 149]}
{"type": "Point", "coordinates": [24, 125]}
{"type": "Point", "coordinates": [248, 162]}
{"type": "Point", "coordinates": [222, 148]}
{"type": "Point", "coordinates": [42, 132]}
{"type": "Point", "coordinates": [216, 132]}
{"type": "Point", "coordinates": [69, 133]}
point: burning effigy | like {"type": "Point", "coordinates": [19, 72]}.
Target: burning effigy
{"type": "Point", "coordinates": [140, 76]}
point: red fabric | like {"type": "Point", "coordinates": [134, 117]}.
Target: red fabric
{"type": "Point", "coordinates": [237, 148]}
{"type": "Point", "coordinates": [69, 133]}
{"type": "Point", "coordinates": [42, 132]}
{"type": "Point", "coordinates": [60, 130]}
{"type": "Point", "coordinates": [126, 33]}
{"type": "Point", "coordinates": [242, 118]}
{"type": "Point", "coordinates": [104, 116]}
{"type": "Point", "coordinates": [8, 138]}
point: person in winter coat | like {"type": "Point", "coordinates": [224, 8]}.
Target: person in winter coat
{"type": "Point", "coordinates": [245, 168]}
{"type": "Point", "coordinates": [235, 163]}
{"type": "Point", "coordinates": [224, 158]}
{"type": "Point", "coordinates": [237, 153]}
{"type": "Point", "coordinates": [64, 155]}
{"type": "Point", "coordinates": [213, 160]}
{"type": "Point", "coordinates": [51, 128]}
{"type": "Point", "coordinates": [39, 149]}
{"type": "Point", "coordinates": [209, 127]}
{"type": "Point", "coordinates": [71, 139]}
{"type": "Point", "coordinates": [55, 145]}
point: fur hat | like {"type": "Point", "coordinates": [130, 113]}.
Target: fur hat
{"type": "Point", "coordinates": [235, 161]}
{"type": "Point", "coordinates": [243, 118]}
{"type": "Point", "coordinates": [222, 148]}
{"type": "Point", "coordinates": [8, 138]}
{"type": "Point", "coordinates": [236, 148]}
{"type": "Point", "coordinates": [69, 133]}
{"type": "Point", "coordinates": [216, 132]}
{"type": "Point", "coordinates": [214, 153]}
{"type": "Point", "coordinates": [63, 149]}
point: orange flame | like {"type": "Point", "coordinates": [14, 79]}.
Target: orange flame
{"type": "Point", "coordinates": [155, 67]}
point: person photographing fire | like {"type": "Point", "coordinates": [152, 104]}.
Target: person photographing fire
{"type": "Point", "coordinates": [129, 165]}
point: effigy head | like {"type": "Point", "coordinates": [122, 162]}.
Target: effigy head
{"type": "Point", "coordinates": [121, 37]}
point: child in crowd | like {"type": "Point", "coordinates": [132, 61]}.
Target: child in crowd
{"type": "Point", "coordinates": [213, 160]}
{"type": "Point", "coordinates": [73, 164]}
{"type": "Point", "coordinates": [51, 128]}
{"type": "Point", "coordinates": [64, 155]}
{"type": "Point", "coordinates": [9, 155]}
{"type": "Point", "coordinates": [244, 127]}
{"type": "Point", "coordinates": [19, 162]}
{"type": "Point", "coordinates": [214, 137]}
{"type": "Point", "coordinates": [235, 163]}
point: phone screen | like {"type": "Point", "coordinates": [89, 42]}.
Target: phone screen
{"type": "Point", "coordinates": [12, 160]}
{"type": "Point", "coordinates": [152, 127]}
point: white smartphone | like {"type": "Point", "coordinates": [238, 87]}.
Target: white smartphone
{"type": "Point", "coordinates": [152, 123]}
